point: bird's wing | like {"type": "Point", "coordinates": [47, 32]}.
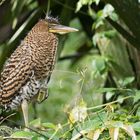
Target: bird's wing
{"type": "Point", "coordinates": [15, 73]}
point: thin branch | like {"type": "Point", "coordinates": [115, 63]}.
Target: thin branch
{"type": "Point", "coordinates": [7, 118]}
{"type": "Point", "coordinates": [130, 38]}
{"type": "Point", "coordinates": [69, 7]}
{"type": "Point", "coordinates": [99, 106]}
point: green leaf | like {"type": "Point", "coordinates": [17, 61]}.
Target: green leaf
{"type": "Point", "coordinates": [102, 90]}
{"type": "Point", "coordinates": [136, 126]}
{"type": "Point", "coordinates": [99, 64]}
{"type": "Point", "coordinates": [80, 3]}
{"type": "Point", "coordinates": [137, 96]}
{"type": "Point", "coordinates": [38, 138]}
{"type": "Point", "coordinates": [49, 125]}
{"type": "Point", "coordinates": [24, 134]}
{"type": "Point", "coordinates": [36, 122]}
{"type": "Point", "coordinates": [110, 34]}
{"type": "Point", "coordinates": [16, 9]}
{"type": "Point", "coordinates": [22, 27]}
{"type": "Point", "coordinates": [126, 81]}
{"type": "Point", "coordinates": [116, 124]}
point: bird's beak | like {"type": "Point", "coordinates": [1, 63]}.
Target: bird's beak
{"type": "Point", "coordinates": [61, 29]}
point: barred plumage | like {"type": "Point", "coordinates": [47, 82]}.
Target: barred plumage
{"type": "Point", "coordinates": [31, 64]}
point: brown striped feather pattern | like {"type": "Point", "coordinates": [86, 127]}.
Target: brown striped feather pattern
{"type": "Point", "coordinates": [31, 63]}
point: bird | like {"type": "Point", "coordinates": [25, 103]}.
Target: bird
{"type": "Point", "coordinates": [28, 69]}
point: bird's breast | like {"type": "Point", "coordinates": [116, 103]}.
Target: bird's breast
{"type": "Point", "coordinates": [44, 69]}
{"type": "Point", "coordinates": [44, 58]}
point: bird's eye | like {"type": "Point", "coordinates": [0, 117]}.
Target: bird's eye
{"type": "Point", "coordinates": [51, 25]}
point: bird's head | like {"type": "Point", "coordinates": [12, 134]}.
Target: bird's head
{"type": "Point", "coordinates": [55, 27]}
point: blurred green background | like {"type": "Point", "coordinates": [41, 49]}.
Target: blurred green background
{"type": "Point", "coordinates": [97, 65]}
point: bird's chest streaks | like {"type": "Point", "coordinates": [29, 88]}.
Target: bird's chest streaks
{"type": "Point", "coordinates": [44, 62]}
{"type": "Point", "coordinates": [42, 70]}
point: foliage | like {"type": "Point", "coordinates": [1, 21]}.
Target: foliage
{"type": "Point", "coordinates": [95, 87]}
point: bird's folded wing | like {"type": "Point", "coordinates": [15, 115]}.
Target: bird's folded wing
{"type": "Point", "coordinates": [15, 74]}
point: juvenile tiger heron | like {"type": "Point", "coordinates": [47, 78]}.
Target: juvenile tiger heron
{"type": "Point", "coordinates": [30, 65]}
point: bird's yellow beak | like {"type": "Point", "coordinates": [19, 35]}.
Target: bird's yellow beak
{"type": "Point", "coordinates": [61, 29]}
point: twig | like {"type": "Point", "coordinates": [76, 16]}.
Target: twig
{"type": "Point", "coordinates": [7, 118]}
{"type": "Point", "coordinates": [68, 7]}
{"type": "Point", "coordinates": [19, 138]}
{"type": "Point", "coordinates": [99, 106]}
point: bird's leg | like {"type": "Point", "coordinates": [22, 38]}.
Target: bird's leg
{"type": "Point", "coordinates": [24, 107]}
{"type": "Point", "coordinates": [42, 95]}
{"type": "Point", "coordinates": [43, 92]}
